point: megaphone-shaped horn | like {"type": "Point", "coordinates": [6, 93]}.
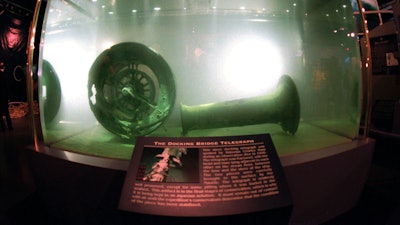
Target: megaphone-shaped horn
{"type": "Point", "coordinates": [281, 107]}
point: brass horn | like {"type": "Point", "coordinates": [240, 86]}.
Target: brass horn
{"type": "Point", "coordinates": [281, 107]}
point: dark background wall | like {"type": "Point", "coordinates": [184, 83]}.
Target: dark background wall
{"type": "Point", "coordinates": [15, 19]}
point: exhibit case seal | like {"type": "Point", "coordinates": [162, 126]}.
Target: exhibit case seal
{"type": "Point", "coordinates": [108, 72]}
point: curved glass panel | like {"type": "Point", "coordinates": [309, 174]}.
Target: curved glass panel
{"type": "Point", "coordinates": [115, 70]}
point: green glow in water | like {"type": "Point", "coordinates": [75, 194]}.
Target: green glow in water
{"type": "Point", "coordinates": [110, 95]}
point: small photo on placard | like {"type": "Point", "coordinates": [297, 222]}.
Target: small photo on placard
{"type": "Point", "coordinates": [169, 164]}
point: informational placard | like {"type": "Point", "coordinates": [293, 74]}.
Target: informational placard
{"type": "Point", "coordinates": [207, 176]}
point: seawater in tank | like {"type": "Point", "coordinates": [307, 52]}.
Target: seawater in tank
{"type": "Point", "coordinates": [112, 70]}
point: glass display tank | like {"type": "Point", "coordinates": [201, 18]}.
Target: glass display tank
{"type": "Point", "coordinates": [110, 71]}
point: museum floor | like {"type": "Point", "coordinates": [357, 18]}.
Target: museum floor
{"type": "Point", "coordinates": [379, 203]}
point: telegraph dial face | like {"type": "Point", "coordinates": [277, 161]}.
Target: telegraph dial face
{"type": "Point", "coordinates": [131, 89]}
